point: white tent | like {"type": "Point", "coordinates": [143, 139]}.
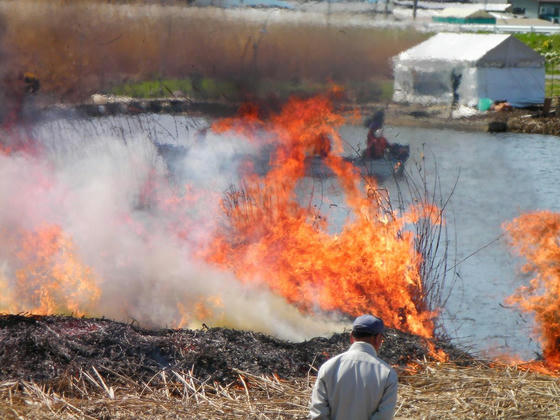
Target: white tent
{"type": "Point", "coordinates": [465, 68]}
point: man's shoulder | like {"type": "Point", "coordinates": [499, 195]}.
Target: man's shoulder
{"type": "Point", "coordinates": [333, 359]}
{"type": "Point", "coordinates": [353, 354]}
{"type": "Point", "coordinates": [328, 364]}
{"type": "Point", "coordinates": [359, 355]}
{"type": "Point", "coordinates": [352, 357]}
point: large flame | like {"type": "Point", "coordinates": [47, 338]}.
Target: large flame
{"type": "Point", "coordinates": [157, 252]}
{"type": "Point", "coordinates": [273, 241]}
{"type": "Point", "coordinates": [535, 236]}
{"type": "Point", "coordinates": [51, 278]}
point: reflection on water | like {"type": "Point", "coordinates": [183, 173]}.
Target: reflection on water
{"type": "Point", "coordinates": [497, 176]}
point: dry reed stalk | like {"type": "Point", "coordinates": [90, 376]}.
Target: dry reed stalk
{"type": "Point", "coordinates": [477, 392]}
{"type": "Point", "coordinates": [426, 391]}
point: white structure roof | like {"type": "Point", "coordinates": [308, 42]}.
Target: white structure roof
{"type": "Point", "coordinates": [474, 11]}
{"type": "Point", "coordinates": [497, 7]}
{"type": "Point", "coordinates": [495, 50]}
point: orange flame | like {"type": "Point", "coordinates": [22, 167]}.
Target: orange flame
{"type": "Point", "coordinates": [4, 150]}
{"type": "Point", "coordinates": [538, 366]}
{"type": "Point", "coordinates": [272, 241]}
{"type": "Point", "coordinates": [535, 236]}
{"type": "Point", "coordinates": [204, 308]}
{"type": "Point", "coordinates": [52, 279]}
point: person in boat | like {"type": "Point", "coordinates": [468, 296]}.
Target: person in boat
{"type": "Point", "coordinates": [357, 384]}
{"type": "Point", "coordinates": [376, 142]}
{"type": "Point", "coordinates": [16, 90]}
{"type": "Point", "coordinates": [321, 147]}
{"type": "Point", "coordinates": [376, 145]}
{"type": "Point", "coordinates": [15, 108]}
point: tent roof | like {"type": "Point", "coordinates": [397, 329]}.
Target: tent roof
{"type": "Point", "coordinates": [498, 7]}
{"type": "Point", "coordinates": [489, 49]}
{"type": "Point", "coordinates": [476, 11]}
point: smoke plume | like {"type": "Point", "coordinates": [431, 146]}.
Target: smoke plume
{"type": "Point", "coordinates": [107, 218]}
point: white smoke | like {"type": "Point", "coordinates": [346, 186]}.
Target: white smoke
{"type": "Point", "coordinates": [139, 198]}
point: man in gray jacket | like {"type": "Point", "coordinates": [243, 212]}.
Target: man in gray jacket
{"type": "Point", "coordinates": [356, 385]}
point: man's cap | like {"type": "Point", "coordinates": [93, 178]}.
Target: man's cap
{"type": "Point", "coordinates": [368, 324]}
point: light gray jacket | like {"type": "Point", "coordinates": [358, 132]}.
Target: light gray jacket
{"type": "Point", "coordinates": [355, 385]}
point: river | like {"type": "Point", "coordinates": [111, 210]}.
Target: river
{"type": "Point", "coordinates": [497, 177]}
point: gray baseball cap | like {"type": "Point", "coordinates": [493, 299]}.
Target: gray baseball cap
{"type": "Point", "coordinates": [368, 324]}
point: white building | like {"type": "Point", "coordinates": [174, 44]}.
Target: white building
{"type": "Point", "coordinates": [464, 68]}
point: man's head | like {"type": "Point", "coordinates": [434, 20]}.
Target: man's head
{"type": "Point", "coordinates": [368, 328]}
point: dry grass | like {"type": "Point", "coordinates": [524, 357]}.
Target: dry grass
{"type": "Point", "coordinates": [434, 391]}
{"type": "Point", "coordinates": [77, 48]}
{"type": "Point", "coordinates": [446, 391]}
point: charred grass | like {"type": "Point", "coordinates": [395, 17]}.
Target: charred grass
{"type": "Point", "coordinates": [63, 367]}
{"type": "Point", "coordinates": [44, 348]}
{"type": "Point", "coordinates": [78, 48]}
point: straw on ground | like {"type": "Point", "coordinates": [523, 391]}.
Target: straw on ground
{"type": "Point", "coordinates": [431, 391]}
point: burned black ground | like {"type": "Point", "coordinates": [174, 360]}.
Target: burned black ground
{"type": "Point", "coordinates": [47, 348]}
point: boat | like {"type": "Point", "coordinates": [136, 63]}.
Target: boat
{"type": "Point", "coordinates": [380, 158]}
{"type": "Point", "coordinates": [390, 165]}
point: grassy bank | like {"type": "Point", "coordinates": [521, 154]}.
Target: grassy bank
{"type": "Point", "coordinates": [205, 88]}
{"type": "Point", "coordinates": [373, 89]}
{"type": "Point", "coordinates": [78, 48]}
{"type": "Point", "coordinates": [147, 50]}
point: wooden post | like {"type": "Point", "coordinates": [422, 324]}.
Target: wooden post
{"type": "Point", "coordinates": [546, 106]}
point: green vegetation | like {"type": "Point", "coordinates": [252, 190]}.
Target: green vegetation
{"type": "Point", "coordinates": [547, 45]}
{"type": "Point", "coordinates": [153, 88]}
{"type": "Point", "coordinates": [195, 86]}
{"type": "Point", "coordinates": [205, 88]}
{"type": "Point", "coordinates": [541, 43]}
{"type": "Point", "coordinates": [552, 87]}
